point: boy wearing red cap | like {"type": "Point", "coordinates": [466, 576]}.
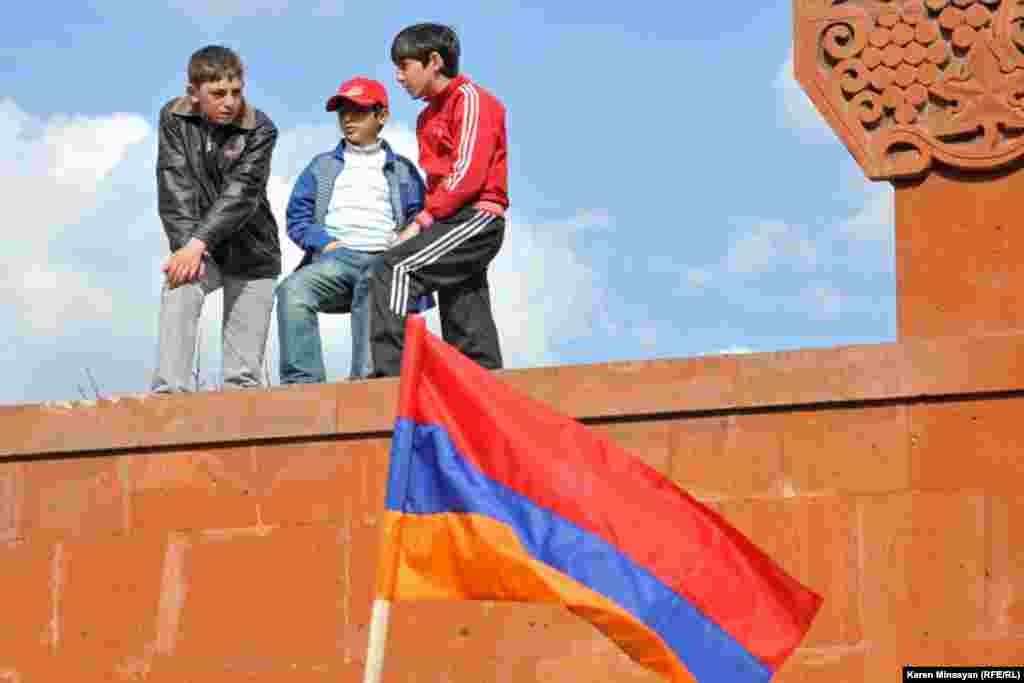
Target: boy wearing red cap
{"type": "Point", "coordinates": [345, 209]}
{"type": "Point", "coordinates": [450, 244]}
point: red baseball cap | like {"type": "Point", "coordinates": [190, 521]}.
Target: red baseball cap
{"type": "Point", "coordinates": [365, 92]}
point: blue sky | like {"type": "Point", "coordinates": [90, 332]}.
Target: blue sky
{"type": "Point", "coordinates": [673, 193]}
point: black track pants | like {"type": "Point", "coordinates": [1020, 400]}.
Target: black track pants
{"type": "Point", "coordinates": [450, 258]}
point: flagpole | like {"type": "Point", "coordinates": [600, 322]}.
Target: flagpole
{"type": "Point", "coordinates": [381, 615]}
{"type": "Point", "coordinates": [378, 640]}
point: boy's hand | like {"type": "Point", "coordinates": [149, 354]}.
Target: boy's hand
{"type": "Point", "coordinates": [331, 246]}
{"type": "Point", "coordinates": [186, 264]}
{"type": "Point", "coordinates": [408, 232]}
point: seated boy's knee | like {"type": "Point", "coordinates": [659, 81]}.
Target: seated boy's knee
{"type": "Point", "coordinates": [290, 290]}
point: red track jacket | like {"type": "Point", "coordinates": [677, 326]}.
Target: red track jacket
{"type": "Point", "coordinates": [463, 149]}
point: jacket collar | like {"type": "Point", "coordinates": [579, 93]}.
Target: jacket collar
{"type": "Point", "coordinates": [389, 155]}
{"type": "Point", "coordinates": [246, 119]}
{"type": "Point", "coordinates": [452, 86]}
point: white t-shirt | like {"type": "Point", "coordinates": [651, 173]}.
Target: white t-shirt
{"type": "Point", "coordinates": [360, 215]}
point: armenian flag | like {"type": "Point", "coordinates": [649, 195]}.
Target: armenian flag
{"type": "Point", "coordinates": [495, 496]}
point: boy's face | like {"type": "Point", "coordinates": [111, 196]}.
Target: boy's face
{"type": "Point", "coordinates": [219, 100]}
{"type": "Point", "coordinates": [361, 125]}
{"type": "Point", "coordinates": [417, 78]}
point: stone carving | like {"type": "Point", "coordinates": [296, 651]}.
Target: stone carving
{"type": "Point", "coordinates": [906, 82]}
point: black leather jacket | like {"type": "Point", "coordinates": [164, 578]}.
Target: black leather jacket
{"type": "Point", "coordinates": [212, 184]}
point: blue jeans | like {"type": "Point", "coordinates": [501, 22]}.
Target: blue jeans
{"type": "Point", "coordinates": [317, 288]}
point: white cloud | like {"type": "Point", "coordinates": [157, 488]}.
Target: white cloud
{"type": "Point", "coordinates": [542, 291]}
{"type": "Point", "coordinates": [835, 270]}
{"type": "Point", "coordinates": [876, 219]}
{"type": "Point", "coordinates": [771, 244]}
{"type": "Point", "coordinates": [82, 151]}
{"type": "Point", "coordinates": [796, 107]}
{"type": "Point", "coordinates": [733, 349]}
{"type": "Point", "coordinates": [736, 349]}
{"type": "Point", "coordinates": [698, 278]}
{"type": "Point", "coordinates": [50, 184]}
{"type": "Point", "coordinates": [55, 295]}
{"type": "Point", "coordinates": [589, 219]}
{"type": "Point", "coordinates": [824, 299]}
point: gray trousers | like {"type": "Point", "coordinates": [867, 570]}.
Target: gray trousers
{"type": "Point", "coordinates": [247, 308]}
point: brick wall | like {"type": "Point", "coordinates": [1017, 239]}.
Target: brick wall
{"type": "Point", "coordinates": [233, 537]}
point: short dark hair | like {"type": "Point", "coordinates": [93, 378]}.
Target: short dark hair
{"type": "Point", "coordinates": [214, 63]}
{"type": "Point", "coordinates": [419, 40]}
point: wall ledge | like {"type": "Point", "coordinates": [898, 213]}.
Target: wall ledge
{"type": "Point", "coordinates": [916, 369]}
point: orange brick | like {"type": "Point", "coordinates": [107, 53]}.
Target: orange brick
{"type": "Point", "coordinates": [728, 457]}
{"type": "Point", "coordinates": [825, 665]}
{"type": "Point", "coordinates": [887, 659]}
{"type": "Point", "coordinates": [521, 670]}
{"type": "Point", "coordinates": [968, 445]}
{"type": "Point", "coordinates": [1005, 568]}
{"type": "Point", "coordinates": [57, 668]}
{"type": "Point", "coordinates": [820, 375]}
{"type": "Point", "coordinates": [427, 630]}
{"type": "Point", "coordinates": [595, 660]}
{"type": "Point", "coordinates": [190, 509]}
{"type": "Point", "coordinates": [73, 497]}
{"type": "Point", "coordinates": [296, 461]}
{"type": "Point", "coordinates": [225, 417]}
{"type": "Point", "coordinates": [369, 463]}
{"type": "Point", "coordinates": [965, 364]}
{"type": "Point", "coordinates": [610, 389]}
{"type": "Point", "coordinates": [539, 631]}
{"type": "Point", "coordinates": [26, 604]}
{"type": "Point", "coordinates": [815, 541]}
{"type": "Point", "coordinates": [465, 629]}
{"type": "Point", "coordinates": [707, 383]}
{"type": "Point", "coordinates": [305, 483]}
{"type": "Point", "coordinates": [370, 458]}
{"type": "Point", "coordinates": [449, 670]}
{"type": "Point", "coordinates": [649, 440]}
{"type": "Point", "coordinates": [253, 670]}
{"type": "Point", "coordinates": [108, 599]}
{"type": "Point", "coordinates": [888, 654]}
{"type": "Point", "coordinates": [923, 565]}
{"type": "Point", "coordinates": [262, 592]}
{"type": "Point", "coordinates": [997, 652]}
{"type": "Point", "coordinates": [10, 501]}
{"type": "Point", "coordinates": [966, 280]}
{"type": "Point", "coordinates": [70, 427]}
{"type": "Point", "coordinates": [540, 384]}
{"type": "Point", "coordinates": [863, 450]}
{"type": "Point", "coordinates": [189, 489]}
{"type": "Point", "coordinates": [20, 425]}
{"type": "Point", "coordinates": [366, 407]}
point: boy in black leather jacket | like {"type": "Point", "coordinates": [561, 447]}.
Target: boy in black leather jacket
{"type": "Point", "coordinates": [212, 170]}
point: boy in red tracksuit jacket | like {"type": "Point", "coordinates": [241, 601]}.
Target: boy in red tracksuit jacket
{"type": "Point", "coordinates": [449, 245]}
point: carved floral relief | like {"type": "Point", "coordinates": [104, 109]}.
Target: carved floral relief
{"type": "Point", "coordinates": [906, 82]}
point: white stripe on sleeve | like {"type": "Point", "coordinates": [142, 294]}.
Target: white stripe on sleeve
{"type": "Point", "coordinates": [467, 143]}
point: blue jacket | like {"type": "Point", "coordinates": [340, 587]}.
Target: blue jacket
{"type": "Point", "coordinates": [311, 198]}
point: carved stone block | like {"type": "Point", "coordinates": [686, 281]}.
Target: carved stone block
{"type": "Point", "coordinates": [908, 82]}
